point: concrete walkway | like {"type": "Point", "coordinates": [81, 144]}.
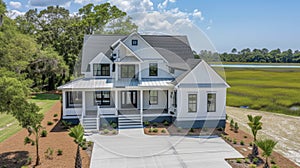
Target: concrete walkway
{"type": "Point", "coordinates": [131, 148]}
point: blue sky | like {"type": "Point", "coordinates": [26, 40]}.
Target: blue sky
{"type": "Point", "coordinates": [210, 24]}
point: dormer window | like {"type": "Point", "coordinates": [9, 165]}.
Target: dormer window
{"type": "Point", "coordinates": [134, 42]}
{"type": "Point", "coordinates": [101, 69]}
{"type": "Point", "coordinates": [153, 69]}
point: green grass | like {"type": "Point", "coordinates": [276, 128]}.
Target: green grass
{"type": "Point", "coordinates": [9, 125]}
{"type": "Point", "coordinates": [274, 90]}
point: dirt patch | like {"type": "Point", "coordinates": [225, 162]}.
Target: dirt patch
{"type": "Point", "coordinates": [245, 148]}
{"type": "Point", "coordinates": [57, 138]}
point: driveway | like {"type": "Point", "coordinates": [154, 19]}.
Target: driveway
{"type": "Point", "coordinates": [132, 149]}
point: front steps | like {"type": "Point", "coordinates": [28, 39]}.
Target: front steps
{"type": "Point", "coordinates": [89, 124]}
{"type": "Point", "coordinates": [129, 121]}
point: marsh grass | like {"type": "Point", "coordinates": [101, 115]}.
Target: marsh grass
{"type": "Point", "coordinates": [274, 90]}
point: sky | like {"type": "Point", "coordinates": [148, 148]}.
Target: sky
{"type": "Point", "coordinates": [217, 25]}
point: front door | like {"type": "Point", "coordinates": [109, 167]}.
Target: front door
{"type": "Point", "coordinates": [129, 99]}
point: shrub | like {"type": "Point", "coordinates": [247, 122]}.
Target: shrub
{"type": "Point", "coordinates": [104, 125]}
{"type": "Point", "coordinates": [231, 124]}
{"type": "Point", "coordinates": [192, 130]}
{"type": "Point", "coordinates": [274, 166]}
{"type": "Point", "coordinates": [163, 131]}
{"type": "Point", "coordinates": [234, 141]}
{"type": "Point", "coordinates": [114, 125]}
{"type": "Point", "coordinates": [238, 161]}
{"type": "Point", "coordinates": [155, 124]}
{"type": "Point", "coordinates": [59, 152]}
{"type": "Point", "coordinates": [220, 129]}
{"type": "Point", "coordinates": [28, 161]}
{"type": "Point", "coordinates": [247, 161]}
{"type": "Point", "coordinates": [252, 166]}
{"type": "Point", "coordinates": [179, 129]}
{"type": "Point", "coordinates": [245, 136]}
{"type": "Point", "coordinates": [49, 153]}
{"type": "Point", "coordinates": [255, 160]}
{"type": "Point", "coordinates": [166, 123]}
{"type": "Point", "coordinates": [150, 129]}
{"type": "Point", "coordinates": [114, 132]}
{"type": "Point", "coordinates": [49, 123]}
{"type": "Point", "coordinates": [44, 133]}
{"type": "Point", "coordinates": [250, 144]}
{"type": "Point", "coordinates": [272, 161]}
{"type": "Point", "coordinates": [55, 115]}
{"type": "Point", "coordinates": [146, 123]}
{"type": "Point", "coordinates": [84, 147]}
{"type": "Point", "coordinates": [236, 127]}
{"type": "Point", "coordinates": [32, 143]}
{"type": "Point", "coordinates": [27, 140]}
{"type": "Point", "coordinates": [155, 130]}
{"type": "Point", "coordinates": [89, 143]}
{"type": "Point", "coordinates": [105, 131]}
{"type": "Point", "coordinates": [242, 142]}
{"type": "Point", "coordinates": [66, 124]}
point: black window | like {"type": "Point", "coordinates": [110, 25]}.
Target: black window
{"type": "Point", "coordinates": [153, 97]}
{"type": "Point", "coordinates": [211, 102]}
{"type": "Point", "coordinates": [134, 42]}
{"type": "Point", "coordinates": [127, 71]}
{"type": "Point", "coordinates": [192, 102]}
{"type": "Point", "coordinates": [171, 70]}
{"type": "Point", "coordinates": [175, 99]}
{"type": "Point", "coordinates": [102, 97]}
{"type": "Point", "coordinates": [101, 69]}
{"type": "Point", "coordinates": [74, 99]}
{"type": "Point", "coordinates": [153, 69]}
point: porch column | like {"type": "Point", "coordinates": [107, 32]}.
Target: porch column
{"type": "Point", "coordinates": [83, 104]}
{"type": "Point", "coordinates": [169, 100]}
{"type": "Point", "coordinates": [141, 104]}
{"type": "Point", "coordinates": [116, 71]}
{"type": "Point", "coordinates": [140, 71]}
{"type": "Point", "coordinates": [116, 102]}
{"type": "Point", "coordinates": [64, 102]}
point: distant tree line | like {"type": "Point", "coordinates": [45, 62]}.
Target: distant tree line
{"type": "Point", "coordinates": [255, 55]}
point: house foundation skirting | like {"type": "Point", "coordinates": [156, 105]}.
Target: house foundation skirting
{"type": "Point", "coordinates": [200, 123]}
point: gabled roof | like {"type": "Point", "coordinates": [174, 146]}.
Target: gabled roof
{"type": "Point", "coordinates": [207, 76]}
{"type": "Point", "coordinates": [94, 44]}
{"type": "Point", "coordinates": [175, 49]}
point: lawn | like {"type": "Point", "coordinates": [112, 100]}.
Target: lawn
{"type": "Point", "coordinates": [274, 90]}
{"type": "Point", "coordinates": [9, 125]}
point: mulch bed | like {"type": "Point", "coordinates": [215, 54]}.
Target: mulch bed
{"type": "Point", "coordinates": [246, 149]}
{"type": "Point", "coordinates": [15, 154]}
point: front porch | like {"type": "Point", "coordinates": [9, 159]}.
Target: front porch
{"type": "Point", "coordinates": [93, 106]}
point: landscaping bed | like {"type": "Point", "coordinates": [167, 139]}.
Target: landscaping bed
{"type": "Point", "coordinates": [15, 154]}
{"type": "Point", "coordinates": [235, 139]}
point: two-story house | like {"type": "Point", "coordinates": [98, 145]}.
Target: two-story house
{"type": "Point", "coordinates": [135, 78]}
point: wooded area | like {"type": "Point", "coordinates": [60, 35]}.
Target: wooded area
{"type": "Point", "coordinates": [256, 55]}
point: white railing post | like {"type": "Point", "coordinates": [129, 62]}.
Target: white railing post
{"type": "Point", "coordinates": [98, 116]}
{"type": "Point", "coordinates": [83, 107]}
{"type": "Point", "coordinates": [116, 102]}
{"type": "Point", "coordinates": [141, 105]}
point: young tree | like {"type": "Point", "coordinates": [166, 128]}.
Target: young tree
{"type": "Point", "coordinates": [255, 125]}
{"type": "Point", "coordinates": [35, 130]}
{"type": "Point", "coordinates": [77, 133]}
{"type": "Point", "coordinates": [267, 147]}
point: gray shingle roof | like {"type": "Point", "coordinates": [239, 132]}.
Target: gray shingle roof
{"type": "Point", "coordinates": [94, 44]}
{"type": "Point", "coordinates": [175, 49]}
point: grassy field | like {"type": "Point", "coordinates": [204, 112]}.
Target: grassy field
{"type": "Point", "coordinates": [274, 90]}
{"type": "Point", "coordinates": [9, 125]}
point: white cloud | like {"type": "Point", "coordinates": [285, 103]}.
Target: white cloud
{"type": "Point", "coordinates": [14, 13]}
{"type": "Point", "coordinates": [84, 2]}
{"type": "Point", "coordinates": [15, 5]}
{"type": "Point", "coordinates": [133, 6]}
{"type": "Point", "coordinates": [208, 28]}
{"type": "Point", "coordinates": [44, 3]}
{"type": "Point", "coordinates": [198, 14]}
{"type": "Point", "coordinates": [172, 1]}
{"type": "Point", "coordinates": [164, 4]}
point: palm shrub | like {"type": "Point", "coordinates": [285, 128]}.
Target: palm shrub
{"type": "Point", "coordinates": [236, 127]}
{"type": "Point", "coordinates": [36, 131]}
{"type": "Point", "coordinates": [77, 133]}
{"type": "Point", "coordinates": [231, 124]}
{"type": "Point", "coordinates": [255, 125]}
{"type": "Point", "coordinates": [267, 147]}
